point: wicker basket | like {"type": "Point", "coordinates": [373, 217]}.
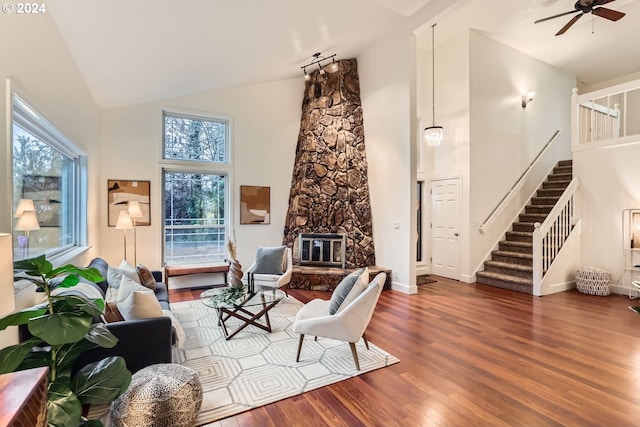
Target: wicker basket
{"type": "Point", "coordinates": [593, 281]}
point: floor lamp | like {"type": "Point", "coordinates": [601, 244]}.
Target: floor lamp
{"type": "Point", "coordinates": [124, 223]}
{"type": "Point", "coordinates": [134, 212]}
{"type": "Point", "coordinates": [27, 222]}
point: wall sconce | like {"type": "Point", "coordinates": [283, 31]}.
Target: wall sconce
{"type": "Point", "coordinates": [527, 98]}
{"type": "Point", "coordinates": [317, 60]}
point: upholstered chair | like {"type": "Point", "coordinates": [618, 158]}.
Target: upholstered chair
{"type": "Point", "coordinates": [272, 268]}
{"type": "Point", "coordinates": [348, 321]}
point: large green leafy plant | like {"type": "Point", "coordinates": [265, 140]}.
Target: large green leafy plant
{"type": "Point", "coordinates": [61, 330]}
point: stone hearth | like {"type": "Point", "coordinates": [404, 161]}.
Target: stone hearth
{"type": "Point", "coordinates": [329, 187]}
{"type": "Point", "coordinates": [327, 278]}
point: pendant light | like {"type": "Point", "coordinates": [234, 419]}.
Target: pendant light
{"type": "Point", "coordinates": [433, 135]}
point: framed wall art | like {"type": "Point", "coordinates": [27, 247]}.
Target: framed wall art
{"type": "Point", "coordinates": [121, 192]}
{"type": "Point", "coordinates": [46, 193]}
{"type": "Point", "coordinates": [255, 204]}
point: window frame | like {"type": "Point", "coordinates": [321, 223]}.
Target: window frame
{"type": "Point", "coordinates": [226, 168]}
{"type": "Point", "coordinates": [26, 115]}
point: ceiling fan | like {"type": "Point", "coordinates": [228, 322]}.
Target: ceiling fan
{"type": "Point", "coordinates": [586, 6]}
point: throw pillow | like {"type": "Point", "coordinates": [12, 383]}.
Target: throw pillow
{"type": "Point", "coordinates": [269, 260]}
{"type": "Point", "coordinates": [114, 275]}
{"type": "Point", "coordinates": [146, 277]}
{"type": "Point", "coordinates": [111, 313]}
{"type": "Point", "coordinates": [127, 287]}
{"type": "Point", "coordinates": [348, 289]}
{"type": "Point", "coordinates": [140, 305]}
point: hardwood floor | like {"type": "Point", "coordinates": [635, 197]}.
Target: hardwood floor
{"type": "Point", "coordinates": [473, 355]}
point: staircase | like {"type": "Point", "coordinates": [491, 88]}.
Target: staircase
{"type": "Point", "coordinates": [511, 266]}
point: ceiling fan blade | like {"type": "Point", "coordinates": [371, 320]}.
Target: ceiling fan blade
{"type": "Point", "coordinates": [556, 16]}
{"type": "Point", "coordinates": [601, 2]}
{"type": "Point", "coordinates": [610, 14]}
{"type": "Point", "coordinates": [569, 24]}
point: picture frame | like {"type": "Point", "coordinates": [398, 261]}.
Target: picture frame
{"type": "Point", "coordinates": [46, 193]}
{"type": "Point", "coordinates": [121, 191]}
{"type": "Point", "coordinates": [255, 204]}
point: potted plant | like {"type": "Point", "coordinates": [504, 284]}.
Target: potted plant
{"type": "Point", "coordinates": [62, 328]}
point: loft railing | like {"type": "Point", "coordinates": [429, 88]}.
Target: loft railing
{"type": "Point", "coordinates": [517, 186]}
{"type": "Point", "coordinates": [194, 240]}
{"type": "Point", "coordinates": [549, 236]}
{"type": "Point", "coordinates": [607, 116]}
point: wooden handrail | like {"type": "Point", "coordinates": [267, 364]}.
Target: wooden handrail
{"type": "Point", "coordinates": [518, 184]}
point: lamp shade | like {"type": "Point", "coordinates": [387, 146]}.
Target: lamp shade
{"type": "Point", "coordinates": [6, 274]}
{"type": "Point", "coordinates": [24, 205]}
{"type": "Point", "coordinates": [124, 221]}
{"type": "Point", "coordinates": [134, 209]}
{"type": "Point", "coordinates": [28, 221]}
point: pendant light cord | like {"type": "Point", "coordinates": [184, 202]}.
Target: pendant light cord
{"type": "Point", "coordinates": [433, 75]}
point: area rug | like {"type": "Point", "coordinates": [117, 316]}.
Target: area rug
{"type": "Point", "coordinates": [255, 367]}
{"type": "Point", "coordinates": [424, 279]}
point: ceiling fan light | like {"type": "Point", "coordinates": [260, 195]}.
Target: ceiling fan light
{"type": "Point", "coordinates": [433, 135]}
{"type": "Point", "coordinates": [333, 67]}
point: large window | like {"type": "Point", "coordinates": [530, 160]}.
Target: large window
{"type": "Point", "coordinates": [195, 188]}
{"type": "Point", "coordinates": [48, 172]}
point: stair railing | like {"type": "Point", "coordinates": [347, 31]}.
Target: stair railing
{"type": "Point", "coordinates": [549, 236]}
{"type": "Point", "coordinates": [517, 186]}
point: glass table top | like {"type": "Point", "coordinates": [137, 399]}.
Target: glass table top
{"type": "Point", "coordinates": [216, 298]}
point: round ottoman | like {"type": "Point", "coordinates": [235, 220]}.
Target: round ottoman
{"type": "Point", "coordinates": [593, 281]}
{"type": "Point", "coordinates": [162, 395]}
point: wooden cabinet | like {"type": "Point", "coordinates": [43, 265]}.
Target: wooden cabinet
{"type": "Point", "coordinates": [23, 398]}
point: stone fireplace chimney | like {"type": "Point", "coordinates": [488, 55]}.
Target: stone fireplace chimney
{"type": "Point", "coordinates": [329, 188]}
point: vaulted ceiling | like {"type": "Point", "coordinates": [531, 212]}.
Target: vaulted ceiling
{"type": "Point", "coordinates": [145, 50]}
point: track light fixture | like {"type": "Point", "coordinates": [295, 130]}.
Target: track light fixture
{"type": "Point", "coordinates": [318, 59]}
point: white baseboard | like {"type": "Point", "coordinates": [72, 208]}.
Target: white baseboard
{"type": "Point", "coordinates": [465, 278]}
{"type": "Point", "coordinates": [404, 288]}
{"type": "Point", "coordinates": [422, 269]}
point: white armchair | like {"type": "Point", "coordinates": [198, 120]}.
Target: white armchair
{"type": "Point", "coordinates": [275, 281]}
{"type": "Point", "coordinates": [348, 324]}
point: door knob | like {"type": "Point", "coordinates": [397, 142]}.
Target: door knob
{"type": "Point", "coordinates": [456, 234]}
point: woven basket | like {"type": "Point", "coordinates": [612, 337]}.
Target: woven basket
{"type": "Point", "coordinates": [593, 281]}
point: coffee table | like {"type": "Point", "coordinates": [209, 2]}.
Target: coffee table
{"type": "Point", "coordinates": [249, 309]}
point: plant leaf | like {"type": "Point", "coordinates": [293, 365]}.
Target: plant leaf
{"type": "Point", "coordinates": [63, 407]}
{"type": "Point", "coordinates": [101, 382]}
{"type": "Point", "coordinates": [76, 303]}
{"type": "Point", "coordinates": [11, 357]}
{"type": "Point", "coordinates": [60, 328]}
{"type": "Point", "coordinates": [21, 317]}
{"type": "Point", "coordinates": [91, 274]}
{"type": "Point", "coordinates": [102, 336]}
{"type": "Point", "coordinates": [91, 423]}
{"type": "Point", "coordinates": [68, 353]}
{"type": "Point", "coordinates": [636, 309]}
{"type": "Point", "coordinates": [38, 266]}
{"type": "Point", "coordinates": [68, 281]}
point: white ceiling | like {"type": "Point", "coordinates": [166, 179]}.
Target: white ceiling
{"type": "Point", "coordinates": [146, 50]}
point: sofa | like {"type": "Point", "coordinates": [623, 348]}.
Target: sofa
{"type": "Point", "coordinates": [141, 342]}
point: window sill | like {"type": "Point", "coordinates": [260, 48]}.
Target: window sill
{"type": "Point", "coordinates": [67, 256]}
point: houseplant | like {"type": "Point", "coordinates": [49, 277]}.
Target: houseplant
{"type": "Point", "coordinates": [62, 328]}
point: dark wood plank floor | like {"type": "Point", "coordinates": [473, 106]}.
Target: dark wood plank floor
{"type": "Point", "coordinates": [473, 355]}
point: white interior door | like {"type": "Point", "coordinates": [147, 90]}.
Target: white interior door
{"type": "Point", "coordinates": [445, 228]}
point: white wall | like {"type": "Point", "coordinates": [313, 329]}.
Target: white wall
{"type": "Point", "coordinates": [265, 124]}
{"type": "Point", "coordinates": [505, 138]}
{"type": "Point", "coordinates": [451, 158]}
{"type": "Point", "coordinates": [609, 180]}
{"type": "Point", "coordinates": [36, 59]}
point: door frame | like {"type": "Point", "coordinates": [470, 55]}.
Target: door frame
{"type": "Point", "coordinates": [430, 220]}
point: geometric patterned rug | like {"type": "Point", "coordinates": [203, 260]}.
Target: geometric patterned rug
{"type": "Point", "coordinates": [255, 367]}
